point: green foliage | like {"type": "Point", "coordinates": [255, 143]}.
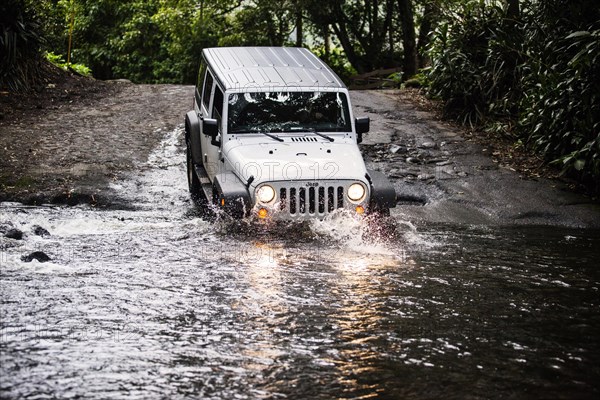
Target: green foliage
{"type": "Point", "coordinates": [55, 14]}
{"type": "Point", "coordinates": [397, 77]}
{"type": "Point", "coordinates": [533, 73]}
{"type": "Point", "coordinates": [561, 89]}
{"type": "Point", "coordinates": [20, 43]}
{"type": "Point", "coordinates": [417, 81]}
{"type": "Point", "coordinates": [260, 23]}
{"type": "Point", "coordinates": [161, 40]}
{"type": "Point", "coordinates": [146, 40]}
{"type": "Point", "coordinates": [337, 60]}
{"type": "Point", "coordinates": [474, 53]}
{"type": "Point", "coordinates": [363, 29]}
{"type": "Point", "coordinates": [58, 61]}
{"type": "Point", "coordinates": [537, 78]}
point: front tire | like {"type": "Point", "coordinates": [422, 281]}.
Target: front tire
{"type": "Point", "coordinates": [193, 182]}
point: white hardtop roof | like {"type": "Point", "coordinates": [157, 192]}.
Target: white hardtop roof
{"type": "Point", "coordinates": [256, 68]}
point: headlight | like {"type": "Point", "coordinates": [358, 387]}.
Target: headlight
{"type": "Point", "coordinates": [356, 192]}
{"type": "Point", "coordinates": [265, 194]}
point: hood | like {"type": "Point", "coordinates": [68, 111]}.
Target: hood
{"type": "Point", "coordinates": [285, 161]}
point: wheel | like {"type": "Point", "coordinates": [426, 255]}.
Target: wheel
{"type": "Point", "coordinates": [384, 212]}
{"type": "Point", "coordinates": [193, 182]}
{"type": "Point", "coordinates": [379, 211]}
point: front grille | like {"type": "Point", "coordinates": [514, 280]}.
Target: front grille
{"type": "Point", "coordinates": [312, 200]}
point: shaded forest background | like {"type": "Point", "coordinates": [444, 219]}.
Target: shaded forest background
{"type": "Point", "coordinates": [524, 69]}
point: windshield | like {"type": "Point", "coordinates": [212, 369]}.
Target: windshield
{"type": "Point", "coordinates": [288, 112]}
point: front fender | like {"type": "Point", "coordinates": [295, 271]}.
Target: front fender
{"type": "Point", "coordinates": [192, 134]}
{"type": "Point", "coordinates": [383, 194]}
{"type": "Point", "coordinates": [231, 194]}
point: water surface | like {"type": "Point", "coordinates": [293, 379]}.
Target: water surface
{"type": "Point", "coordinates": [157, 302]}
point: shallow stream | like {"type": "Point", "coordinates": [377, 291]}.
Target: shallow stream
{"type": "Point", "coordinates": [157, 302]}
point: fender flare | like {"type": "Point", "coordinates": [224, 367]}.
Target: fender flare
{"type": "Point", "coordinates": [192, 134]}
{"type": "Point", "coordinates": [231, 194]}
{"type": "Point", "coordinates": [383, 194]}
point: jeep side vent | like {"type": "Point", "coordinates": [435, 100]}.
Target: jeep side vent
{"type": "Point", "coordinates": [312, 200]}
{"type": "Point", "coordinates": [304, 139]}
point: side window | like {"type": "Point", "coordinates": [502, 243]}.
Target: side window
{"type": "Point", "coordinates": [208, 83]}
{"type": "Point", "coordinates": [217, 110]}
{"type": "Point", "coordinates": [199, 80]}
{"type": "Point", "coordinates": [201, 73]}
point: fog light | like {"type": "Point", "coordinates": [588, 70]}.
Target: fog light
{"type": "Point", "coordinates": [360, 210]}
{"type": "Point", "coordinates": [262, 213]}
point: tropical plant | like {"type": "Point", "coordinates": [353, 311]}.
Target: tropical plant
{"type": "Point", "coordinates": [560, 102]}
{"type": "Point", "coordinates": [474, 53]}
{"type": "Point", "coordinates": [20, 45]}
{"type": "Point", "coordinates": [59, 61]}
{"type": "Point", "coordinates": [538, 69]}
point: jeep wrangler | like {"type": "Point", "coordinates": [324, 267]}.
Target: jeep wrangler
{"type": "Point", "coordinates": [272, 135]}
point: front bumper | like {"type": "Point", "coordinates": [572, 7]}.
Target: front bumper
{"type": "Point", "coordinates": [300, 200]}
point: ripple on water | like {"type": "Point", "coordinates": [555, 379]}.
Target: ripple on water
{"type": "Point", "coordinates": [157, 302]}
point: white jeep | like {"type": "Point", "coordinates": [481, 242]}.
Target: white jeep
{"type": "Point", "coordinates": [272, 135]}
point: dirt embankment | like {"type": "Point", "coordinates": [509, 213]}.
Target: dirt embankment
{"type": "Point", "coordinates": [68, 143]}
{"type": "Point", "coordinates": [65, 144]}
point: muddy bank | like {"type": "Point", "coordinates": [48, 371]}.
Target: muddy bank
{"type": "Point", "coordinates": [73, 152]}
{"type": "Point", "coordinates": [68, 150]}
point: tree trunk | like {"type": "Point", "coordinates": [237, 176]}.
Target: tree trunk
{"type": "Point", "coordinates": [340, 31]}
{"type": "Point", "coordinates": [326, 42]}
{"type": "Point", "coordinates": [299, 33]}
{"type": "Point", "coordinates": [271, 30]}
{"type": "Point", "coordinates": [513, 11]}
{"type": "Point", "coordinates": [409, 43]}
{"type": "Point", "coordinates": [390, 6]}
{"type": "Point", "coordinates": [427, 24]}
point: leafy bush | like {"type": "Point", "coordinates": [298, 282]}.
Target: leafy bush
{"type": "Point", "coordinates": [337, 61]}
{"type": "Point", "coordinates": [561, 88]}
{"type": "Point", "coordinates": [20, 44]}
{"type": "Point", "coordinates": [473, 62]}
{"type": "Point", "coordinates": [146, 41]}
{"type": "Point", "coordinates": [60, 63]}
{"type": "Point", "coordinates": [538, 77]}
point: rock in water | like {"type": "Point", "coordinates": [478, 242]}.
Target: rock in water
{"type": "Point", "coordinates": [38, 230]}
{"type": "Point", "coordinates": [427, 145]}
{"type": "Point", "coordinates": [14, 234]}
{"type": "Point", "coordinates": [36, 255]}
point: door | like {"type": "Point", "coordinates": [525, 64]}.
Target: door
{"type": "Point", "coordinates": [211, 107]}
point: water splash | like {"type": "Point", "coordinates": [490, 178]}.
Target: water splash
{"type": "Point", "coordinates": [158, 302]}
{"type": "Point", "coordinates": [162, 184]}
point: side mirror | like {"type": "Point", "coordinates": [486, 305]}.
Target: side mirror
{"type": "Point", "coordinates": [362, 126]}
{"type": "Point", "coordinates": [211, 128]}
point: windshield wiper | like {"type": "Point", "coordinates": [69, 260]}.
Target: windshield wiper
{"type": "Point", "coordinates": [257, 131]}
{"type": "Point", "coordinates": [272, 136]}
{"type": "Point", "coordinates": [313, 130]}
